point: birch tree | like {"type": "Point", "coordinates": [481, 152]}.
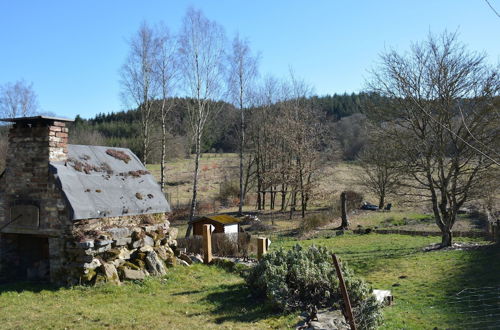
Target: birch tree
{"type": "Point", "coordinates": [201, 57]}
{"type": "Point", "coordinates": [18, 100]}
{"type": "Point", "coordinates": [139, 84]}
{"type": "Point", "coordinates": [243, 71]}
{"type": "Point", "coordinates": [166, 75]}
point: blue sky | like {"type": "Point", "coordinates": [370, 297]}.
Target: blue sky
{"type": "Point", "coordinates": [72, 50]}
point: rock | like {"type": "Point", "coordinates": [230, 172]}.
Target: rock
{"type": "Point", "coordinates": [124, 254]}
{"type": "Point", "coordinates": [172, 243]}
{"type": "Point", "coordinates": [326, 319]}
{"type": "Point", "coordinates": [186, 258]}
{"type": "Point", "coordinates": [153, 235]}
{"type": "Point", "coordinates": [173, 232]}
{"type": "Point", "coordinates": [137, 234]}
{"type": "Point", "coordinates": [383, 296]}
{"type": "Point", "coordinates": [118, 262]}
{"type": "Point", "coordinates": [132, 274]}
{"type": "Point", "coordinates": [92, 265]}
{"type": "Point", "coordinates": [163, 252]}
{"type": "Point", "coordinates": [197, 259]}
{"type": "Point", "coordinates": [130, 265]}
{"type": "Point", "coordinates": [103, 249]}
{"type": "Point", "coordinates": [110, 273]}
{"type": "Point", "coordinates": [150, 229]}
{"type": "Point", "coordinates": [103, 242]}
{"type": "Point", "coordinates": [182, 262]}
{"type": "Point", "coordinates": [154, 264]}
{"type": "Point", "coordinates": [146, 248]}
{"type": "Point", "coordinates": [111, 254]}
{"type": "Point", "coordinates": [171, 261]}
{"type": "Point", "coordinates": [86, 244]}
{"type": "Point", "coordinates": [148, 241]}
{"type": "Point", "coordinates": [122, 241]}
{"type": "Point", "coordinates": [117, 233]}
{"type": "Point", "coordinates": [88, 275]}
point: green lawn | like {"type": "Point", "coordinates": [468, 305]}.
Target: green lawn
{"type": "Point", "coordinates": [187, 298]}
{"type": "Point", "coordinates": [423, 284]}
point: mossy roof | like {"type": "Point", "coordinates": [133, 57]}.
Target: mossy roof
{"type": "Point", "coordinates": [222, 218]}
{"type": "Point", "coordinates": [98, 185]}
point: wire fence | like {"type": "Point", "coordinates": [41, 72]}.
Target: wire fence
{"type": "Point", "coordinates": [475, 308]}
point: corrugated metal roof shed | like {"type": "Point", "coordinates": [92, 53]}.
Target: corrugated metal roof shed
{"type": "Point", "coordinates": [223, 219]}
{"type": "Point", "coordinates": [101, 182]}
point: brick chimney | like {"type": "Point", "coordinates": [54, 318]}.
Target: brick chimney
{"type": "Point", "coordinates": [33, 143]}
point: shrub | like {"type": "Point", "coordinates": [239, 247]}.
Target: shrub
{"type": "Point", "coordinates": [300, 279]}
{"type": "Point", "coordinates": [229, 193]}
{"type": "Point", "coordinates": [312, 222]}
{"type": "Point", "coordinates": [354, 200]}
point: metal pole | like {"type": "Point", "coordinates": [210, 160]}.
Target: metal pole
{"type": "Point", "coordinates": [343, 290]}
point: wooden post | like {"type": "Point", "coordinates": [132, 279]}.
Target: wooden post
{"type": "Point", "coordinates": [343, 290]}
{"type": "Point", "coordinates": [261, 246]}
{"type": "Point", "coordinates": [343, 208]}
{"type": "Point", "coordinates": [207, 244]}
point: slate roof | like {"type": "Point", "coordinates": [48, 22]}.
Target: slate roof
{"type": "Point", "coordinates": [101, 182]}
{"type": "Point", "coordinates": [223, 219]}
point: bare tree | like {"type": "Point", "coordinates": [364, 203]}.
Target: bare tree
{"type": "Point", "coordinates": [87, 136]}
{"type": "Point", "coordinates": [380, 168]}
{"type": "Point", "coordinates": [202, 44]}
{"type": "Point", "coordinates": [166, 71]}
{"type": "Point", "coordinates": [138, 79]}
{"type": "Point", "coordinates": [243, 71]}
{"type": "Point", "coordinates": [18, 100]}
{"type": "Point", "coordinates": [444, 121]}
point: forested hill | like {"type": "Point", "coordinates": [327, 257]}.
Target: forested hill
{"type": "Point", "coordinates": [221, 135]}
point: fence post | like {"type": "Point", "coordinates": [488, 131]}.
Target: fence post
{"type": "Point", "coordinates": [261, 246]}
{"type": "Point", "coordinates": [343, 290]}
{"type": "Point", "coordinates": [207, 244]}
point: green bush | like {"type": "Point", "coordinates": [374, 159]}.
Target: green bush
{"type": "Point", "coordinates": [304, 279]}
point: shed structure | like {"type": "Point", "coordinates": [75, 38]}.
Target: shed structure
{"type": "Point", "coordinates": [64, 207]}
{"type": "Point", "coordinates": [223, 224]}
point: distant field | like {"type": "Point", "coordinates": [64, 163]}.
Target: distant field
{"type": "Point", "coordinates": [216, 169]}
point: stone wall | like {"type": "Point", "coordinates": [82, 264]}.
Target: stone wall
{"type": "Point", "coordinates": [118, 249]}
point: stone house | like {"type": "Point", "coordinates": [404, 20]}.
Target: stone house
{"type": "Point", "coordinates": [78, 214]}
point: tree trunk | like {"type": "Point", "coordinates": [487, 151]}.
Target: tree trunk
{"type": "Point", "coordinates": [343, 208]}
{"type": "Point", "coordinates": [242, 142]}
{"type": "Point", "coordinates": [381, 201]}
{"type": "Point", "coordinates": [446, 238]}
{"type": "Point", "coordinates": [163, 147]}
{"type": "Point", "coordinates": [283, 198]}
{"type": "Point", "coordinates": [195, 183]}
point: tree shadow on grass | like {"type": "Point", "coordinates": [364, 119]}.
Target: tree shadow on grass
{"type": "Point", "coordinates": [235, 303]}
{"type": "Point", "coordinates": [472, 295]}
{"type": "Point", "coordinates": [27, 286]}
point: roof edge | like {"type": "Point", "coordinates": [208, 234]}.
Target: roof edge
{"type": "Point", "coordinates": [34, 118]}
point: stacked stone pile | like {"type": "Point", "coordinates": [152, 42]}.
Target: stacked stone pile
{"type": "Point", "coordinates": [117, 254]}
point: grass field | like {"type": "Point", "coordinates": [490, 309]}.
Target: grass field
{"type": "Point", "coordinates": [214, 170]}
{"type": "Point", "coordinates": [422, 283]}
{"type": "Point", "coordinates": [187, 298]}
